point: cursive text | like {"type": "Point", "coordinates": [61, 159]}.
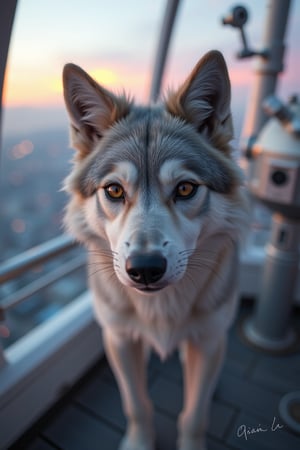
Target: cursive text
{"type": "Point", "coordinates": [245, 431]}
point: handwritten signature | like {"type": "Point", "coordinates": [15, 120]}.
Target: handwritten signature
{"type": "Point", "coordinates": [245, 431]}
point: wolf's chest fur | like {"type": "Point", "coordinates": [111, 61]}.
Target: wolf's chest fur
{"type": "Point", "coordinates": [187, 310]}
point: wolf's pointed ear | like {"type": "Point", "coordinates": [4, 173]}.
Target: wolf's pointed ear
{"type": "Point", "coordinates": [204, 98]}
{"type": "Point", "coordinates": [91, 108]}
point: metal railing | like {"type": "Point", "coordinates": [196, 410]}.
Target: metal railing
{"type": "Point", "coordinates": [17, 265]}
{"type": "Point", "coordinates": [32, 258]}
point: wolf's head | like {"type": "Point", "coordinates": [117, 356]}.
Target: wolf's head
{"type": "Point", "coordinates": [149, 182]}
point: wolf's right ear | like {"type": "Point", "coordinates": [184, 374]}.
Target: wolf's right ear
{"type": "Point", "coordinates": [91, 108]}
{"type": "Point", "coordinates": [204, 98]}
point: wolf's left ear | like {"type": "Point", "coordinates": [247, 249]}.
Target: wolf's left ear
{"type": "Point", "coordinates": [204, 98]}
{"type": "Point", "coordinates": [91, 108]}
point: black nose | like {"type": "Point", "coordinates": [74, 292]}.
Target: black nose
{"type": "Point", "coordinates": [146, 269]}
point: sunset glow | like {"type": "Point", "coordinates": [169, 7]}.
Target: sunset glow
{"type": "Point", "coordinates": [46, 89]}
{"type": "Point", "coordinates": [118, 50]}
{"type": "Point", "coordinates": [39, 89]}
{"type": "Point", "coordinates": [107, 77]}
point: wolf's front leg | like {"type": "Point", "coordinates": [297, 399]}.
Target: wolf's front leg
{"type": "Point", "coordinates": [201, 370]}
{"type": "Point", "coordinates": [127, 360]}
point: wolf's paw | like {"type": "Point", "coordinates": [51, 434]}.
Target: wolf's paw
{"type": "Point", "coordinates": [129, 444]}
{"type": "Point", "coordinates": [137, 439]}
{"type": "Point", "coordinates": [191, 443]}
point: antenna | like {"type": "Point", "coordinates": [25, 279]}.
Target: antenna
{"type": "Point", "coordinates": [237, 18]}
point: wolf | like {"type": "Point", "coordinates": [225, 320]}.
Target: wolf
{"type": "Point", "coordinates": [158, 201]}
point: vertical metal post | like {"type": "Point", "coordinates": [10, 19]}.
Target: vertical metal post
{"type": "Point", "coordinates": [7, 13]}
{"type": "Point", "coordinates": [162, 50]}
{"type": "Point", "coordinates": [267, 69]}
{"type": "Point", "coordinates": [270, 326]}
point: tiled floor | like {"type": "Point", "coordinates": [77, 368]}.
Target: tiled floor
{"type": "Point", "coordinates": [244, 412]}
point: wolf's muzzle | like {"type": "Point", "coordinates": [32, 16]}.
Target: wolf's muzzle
{"type": "Point", "coordinates": [146, 268]}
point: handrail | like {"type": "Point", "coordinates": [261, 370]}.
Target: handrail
{"type": "Point", "coordinates": [29, 259]}
{"type": "Point", "coordinates": [44, 281]}
{"type": "Point", "coordinates": [33, 257]}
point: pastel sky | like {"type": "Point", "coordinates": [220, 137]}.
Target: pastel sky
{"type": "Point", "coordinates": [115, 41]}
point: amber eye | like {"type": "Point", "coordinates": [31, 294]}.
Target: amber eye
{"type": "Point", "coordinates": [114, 192]}
{"type": "Point", "coordinates": [185, 190]}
